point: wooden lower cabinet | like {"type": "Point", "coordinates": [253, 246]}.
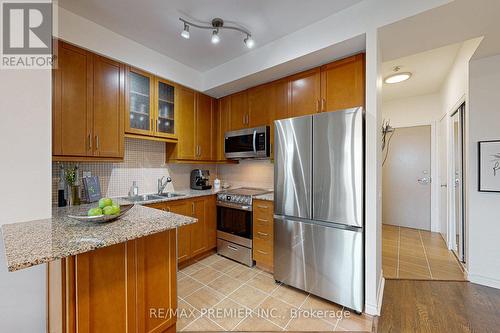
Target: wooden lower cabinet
{"type": "Point", "coordinates": [195, 239]}
{"type": "Point", "coordinates": [263, 234]}
{"type": "Point", "coordinates": [127, 287]}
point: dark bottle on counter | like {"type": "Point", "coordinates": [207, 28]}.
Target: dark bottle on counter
{"type": "Point", "coordinates": [61, 195]}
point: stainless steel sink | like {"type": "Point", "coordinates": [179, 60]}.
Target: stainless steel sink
{"type": "Point", "coordinates": [143, 197]}
{"type": "Point", "coordinates": [171, 195]}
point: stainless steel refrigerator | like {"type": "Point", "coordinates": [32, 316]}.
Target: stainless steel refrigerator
{"type": "Point", "coordinates": [318, 209]}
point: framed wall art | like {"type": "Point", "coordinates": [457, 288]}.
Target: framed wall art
{"type": "Point", "coordinates": [489, 166]}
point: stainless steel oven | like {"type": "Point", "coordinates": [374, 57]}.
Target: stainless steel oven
{"type": "Point", "coordinates": [234, 224]}
{"type": "Point", "coordinates": [247, 143]}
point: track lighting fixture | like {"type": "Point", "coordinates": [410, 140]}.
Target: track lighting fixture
{"type": "Point", "coordinates": [216, 26]}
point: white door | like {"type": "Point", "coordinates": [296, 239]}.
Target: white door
{"type": "Point", "coordinates": [406, 186]}
{"type": "Point", "coordinates": [443, 176]}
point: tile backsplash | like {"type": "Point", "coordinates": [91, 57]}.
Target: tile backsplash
{"type": "Point", "coordinates": [144, 162]}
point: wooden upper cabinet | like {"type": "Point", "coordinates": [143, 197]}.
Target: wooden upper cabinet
{"type": "Point", "coordinates": [343, 84]}
{"type": "Point", "coordinates": [186, 147]}
{"type": "Point", "coordinates": [222, 125]}
{"type": "Point", "coordinates": [88, 106]}
{"type": "Point", "coordinates": [260, 105]}
{"type": "Point", "coordinates": [281, 99]}
{"type": "Point", "coordinates": [140, 102]}
{"type": "Point", "coordinates": [164, 115]}
{"type": "Point", "coordinates": [305, 93]}
{"type": "Point", "coordinates": [239, 111]}
{"type": "Point", "coordinates": [72, 102]}
{"type": "Point", "coordinates": [109, 100]}
{"type": "Point", "coordinates": [204, 127]}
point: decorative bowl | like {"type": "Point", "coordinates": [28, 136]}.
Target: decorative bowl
{"type": "Point", "coordinates": [102, 218]}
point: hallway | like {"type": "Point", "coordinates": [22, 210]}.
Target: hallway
{"type": "Point", "coordinates": [417, 254]}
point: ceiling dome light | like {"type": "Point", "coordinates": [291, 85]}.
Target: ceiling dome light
{"type": "Point", "coordinates": [249, 42]}
{"type": "Point", "coordinates": [185, 32]}
{"type": "Point", "coordinates": [215, 37]}
{"type": "Point", "coordinates": [397, 77]}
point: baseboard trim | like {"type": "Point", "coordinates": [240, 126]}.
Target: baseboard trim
{"type": "Point", "coordinates": [484, 280]}
{"type": "Point", "coordinates": [373, 309]}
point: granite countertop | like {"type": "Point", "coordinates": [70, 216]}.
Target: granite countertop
{"type": "Point", "coordinates": [41, 241]}
{"type": "Point", "coordinates": [265, 196]}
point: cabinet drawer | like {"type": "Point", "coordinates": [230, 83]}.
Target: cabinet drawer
{"type": "Point", "coordinates": [264, 225]}
{"type": "Point", "coordinates": [263, 257]}
{"type": "Point", "coordinates": [263, 235]}
{"type": "Point", "coordinates": [262, 244]}
{"type": "Point", "coordinates": [262, 208]}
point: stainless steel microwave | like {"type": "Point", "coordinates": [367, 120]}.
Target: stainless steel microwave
{"type": "Point", "coordinates": [247, 143]}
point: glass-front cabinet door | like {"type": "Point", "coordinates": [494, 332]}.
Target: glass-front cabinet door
{"type": "Point", "coordinates": [140, 118]}
{"type": "Point", "coordinates": [165, 111]}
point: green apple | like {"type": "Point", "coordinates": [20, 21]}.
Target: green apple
{"type": "Point", "coordinates": [116, 209]}
{"type": "Point", "coordinates": [96, 211]}
{"type": "Point", "coordinates": [108, 210]}
{"type": "Point", "coordinates": [105, 202]}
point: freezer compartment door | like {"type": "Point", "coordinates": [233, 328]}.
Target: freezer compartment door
{"type": "Point", "coordinates": [292, 166]}
{"type": "Point", "coordinates": [338, 167]}
{"type": "Point", "coordinates": [325, 261]}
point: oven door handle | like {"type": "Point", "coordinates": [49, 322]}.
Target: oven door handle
{"type": "Point", "coordinates": [255, 142]}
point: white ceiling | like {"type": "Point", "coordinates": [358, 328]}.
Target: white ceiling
{"type": "Point", "coordinates": [455, 22]}
{"type": "Point", "coordinates": [155, 23]}
{"type": "Point", "coordinates": [429, 71]}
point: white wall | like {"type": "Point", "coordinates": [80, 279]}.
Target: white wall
{"type": "Point", "coordinates": [25, 147]}
{"type": "Point", "coordinates": [87, 34]}
{"type": "Point", "coordinates": [412, 111]}
{"type": "Point", "coordinates": [484, 124]}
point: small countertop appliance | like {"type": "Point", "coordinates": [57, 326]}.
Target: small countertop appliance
{"type": "Point", "coordinates": [200, 179]}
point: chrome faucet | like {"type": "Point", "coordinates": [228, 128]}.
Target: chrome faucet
{"type": "Point", "coordinates": [162, 184]}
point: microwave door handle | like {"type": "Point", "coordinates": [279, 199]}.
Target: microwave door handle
{"type": "Point", "coordinates": [255, 142]}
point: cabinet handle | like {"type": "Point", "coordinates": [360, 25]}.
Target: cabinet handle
{"type": "Point", "coordinates": [262, 234]}
{"type": "Point", "coordinates": [97, 142]}
{"type": "Point", "coordinates": [232, 248]}
{"type": "Point", "coordinates": [199, 151]}
{"type": "Point", "coordinates": [192, 208]}
{"type": "Point", "coordinates": [248, 119]}
{"type": "Point", "coordinates": [262, 220]}
{"type": "Point", "coordinates": [317, 105]}
{"type": "Point", "coordinates": [323, 103]}
{"type": "Point", "coordinates": [90, 141]}
{"type": "Point", "coordinates": [262, 207]}
{"type": "Point", "coordinates": [167, 209]}
{"type": "Point", "coordinates": [263, 252]}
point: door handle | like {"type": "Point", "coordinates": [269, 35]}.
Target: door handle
{"type": "Point", "coordinates": [255, 142]}
{"type": "Point", "coordinates": [424, 180]}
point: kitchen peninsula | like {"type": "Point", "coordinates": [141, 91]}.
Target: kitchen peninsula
{"type": "Point", "coordinates": [103, 275]}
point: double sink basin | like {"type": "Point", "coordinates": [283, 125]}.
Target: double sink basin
{"type": "Point", "coordinates": [148, 197]}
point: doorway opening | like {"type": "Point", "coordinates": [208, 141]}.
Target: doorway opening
{"type": "Point", "coordinates": [458, 194]}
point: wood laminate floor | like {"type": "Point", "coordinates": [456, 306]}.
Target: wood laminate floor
{"type": "Point", "coordinates": [417, 254]}
{"type": "Point", "coordinates": [439, 306]}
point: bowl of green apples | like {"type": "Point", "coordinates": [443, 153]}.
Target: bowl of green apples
{"type": "Point", "coordinates": [106, 211]}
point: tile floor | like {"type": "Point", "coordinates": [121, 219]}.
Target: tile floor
{"type": "Point", "coordinates": [217, 294]}
{"type": "Point", "coordinates": [417, 254]}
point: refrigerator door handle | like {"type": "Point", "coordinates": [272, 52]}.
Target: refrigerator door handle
{"type": "Point", "coordinates": [255, 142]}
{"type": "Point", "coordinates": [320, 223]}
